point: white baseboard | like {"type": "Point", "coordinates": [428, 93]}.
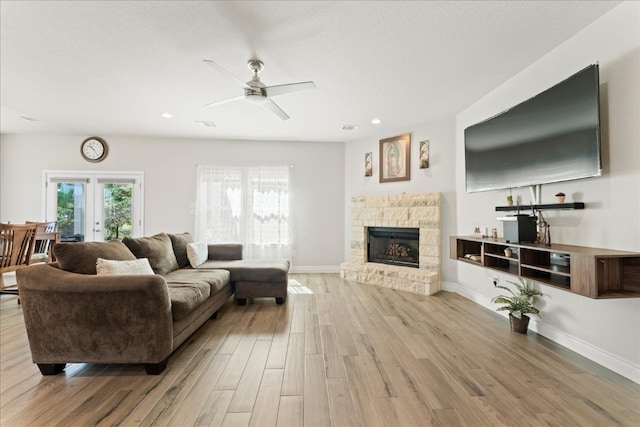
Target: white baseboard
{"type": "Point", "coordinates": [591, 352]}
{"type": "Point", "coordinates": [315, 269]}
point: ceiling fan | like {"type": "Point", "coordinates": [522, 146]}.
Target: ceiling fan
{"type": "Point", "coordinates": [255, 91]}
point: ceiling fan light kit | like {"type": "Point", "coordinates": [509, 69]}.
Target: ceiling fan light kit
{"type": "Point", "coordinates": [256, 92]}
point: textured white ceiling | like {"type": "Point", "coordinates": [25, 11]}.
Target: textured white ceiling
{"type": "Point", "coordinates": [112, 67]}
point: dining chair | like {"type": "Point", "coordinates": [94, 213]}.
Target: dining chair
{"type": "Point", "coordinates": [46, 236]}
{"type": "Point", "coordinates": [17, 242]}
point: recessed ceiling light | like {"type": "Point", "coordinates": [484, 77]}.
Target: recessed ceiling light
{"type": "Point", "coordinates": [350, 127]}
{"type": "Point", "coordinates": [376, 121]}
{"type": "Point", "coordinates": [167, 115]}
{"type": "Point", "coordinates": [206, 123]}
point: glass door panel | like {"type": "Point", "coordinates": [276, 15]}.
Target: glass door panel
{"type": "Point", "coordinates": [70, 209]}
{"type": "Point", "coordinates": [116, 211]}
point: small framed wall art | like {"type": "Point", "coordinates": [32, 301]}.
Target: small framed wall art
{"type": "Point", "coordinates": [395, 158]}
{"type": "Point", "coordinates": [424, 154]}
{"type": "Point", "coordinates": [368, 164]}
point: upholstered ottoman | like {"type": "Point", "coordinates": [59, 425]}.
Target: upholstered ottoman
{"type": "Point", "coordinates": [256, 278]}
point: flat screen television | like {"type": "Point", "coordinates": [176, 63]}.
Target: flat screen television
{"type": "Point", "coordinates": [552, 137]}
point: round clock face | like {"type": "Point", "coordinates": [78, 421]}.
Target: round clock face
{"type": "Point", "coordinates": [94, 149]}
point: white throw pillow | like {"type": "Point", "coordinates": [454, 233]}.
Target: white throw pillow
{"type": "Point", "coordinates": [107, 267]}
{"type": "Point", "coordinates": [197, 253]}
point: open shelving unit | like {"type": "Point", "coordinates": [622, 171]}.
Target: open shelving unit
{"type": "Point", "coordinates": [592, 272]}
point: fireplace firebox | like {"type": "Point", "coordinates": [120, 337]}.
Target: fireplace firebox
{"type": "Point", "coordinates": [395, 246]}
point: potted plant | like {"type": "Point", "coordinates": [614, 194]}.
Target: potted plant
{"type": "Point", "coordinates": [518, 304]}
{"type": "Point", "coordinates": [560, 197]}
{"type": "Point", "coordinates": [509, 199]}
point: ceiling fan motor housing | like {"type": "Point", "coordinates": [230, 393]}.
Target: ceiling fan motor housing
{"type": "Point", "coordinates": [255, 65]}
{"type": "Point", "coordinates": [255, 91]}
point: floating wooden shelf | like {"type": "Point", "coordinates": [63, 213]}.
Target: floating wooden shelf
{"type": "Point", "coordinates": [592, 272]}
{"type": "Point", "coordinates": [549, 206]}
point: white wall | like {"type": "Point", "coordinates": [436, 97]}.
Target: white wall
{"type": "Point", "coordinates": [603, 330]}
{"type": "Point", "coordinates": [439, 177]}
{"type": "Point", "coordinates": [169, 167]}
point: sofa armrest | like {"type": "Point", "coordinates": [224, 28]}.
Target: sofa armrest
{"type": "Point", "coordinates": [225, 251]}
{"type": "Point", "coordinates": [73, 317]}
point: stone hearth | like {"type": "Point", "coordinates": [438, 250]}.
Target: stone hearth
{"type": "Point", "coordinates": [402, 210]}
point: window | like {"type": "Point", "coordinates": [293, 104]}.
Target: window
{"type": "Point", "coordinates": [248, 205]}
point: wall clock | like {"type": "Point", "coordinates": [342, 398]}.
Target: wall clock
{"type": "Point", "coordinates": [94, 149]}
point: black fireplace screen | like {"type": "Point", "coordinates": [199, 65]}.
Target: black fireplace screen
{"type": "Point", "coordinates": [396, 246]}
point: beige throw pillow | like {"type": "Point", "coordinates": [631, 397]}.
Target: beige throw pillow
{"type": "Point", "coordinates": [107, 267]}
{"type": "Point", "coordinates": [197, 253]}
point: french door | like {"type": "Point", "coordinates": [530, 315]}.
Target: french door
{"type": "Point", "coordinates": [94, 206]}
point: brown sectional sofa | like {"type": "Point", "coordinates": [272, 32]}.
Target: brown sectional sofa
{"type": "Point", "coordinates": [74, 315]}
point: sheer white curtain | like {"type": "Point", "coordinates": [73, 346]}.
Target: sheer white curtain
{"type": "Point", "coordinates": [245, 204]}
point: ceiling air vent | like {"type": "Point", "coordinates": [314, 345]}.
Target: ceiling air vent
{"type": "Point", "coordinates": [350, 127]}
{"type": "Point", "coordinates": [206, 124]}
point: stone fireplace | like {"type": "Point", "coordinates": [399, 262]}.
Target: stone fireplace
{"type": "Point", "coordinates": [403, 212]}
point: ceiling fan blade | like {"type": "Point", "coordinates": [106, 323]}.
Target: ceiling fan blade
{"type": "Point", "coordinates": [288, 88]}
{"type": "Point", "coordinates": [273, 107]}
{"type": "Point", "coordinates": [225, 72]}
{"type": "Point", "coordinates": [224, 101]}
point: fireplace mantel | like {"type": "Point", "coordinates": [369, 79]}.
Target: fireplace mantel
{"type": "Point", "coordinates": [402, 210]}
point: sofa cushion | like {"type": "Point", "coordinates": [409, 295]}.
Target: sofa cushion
{"type": "Point", "coordinates": [217, 279]}
{"type": "Point", "coordinates": [252, 270]}
{"type": "Point", "coordinates": [157, 249]}
{"type": "Point", "coordinates": [81, 257]}
{"type": "Point", "coordinates": [197, 253]}
{"type": "Point", "coordinates": [179, 243]}
{"type": "Point", "coordinates": [107, 267]}
{"type": "Point", "coordinates": [225, 251]}
{"type": "Point", "coordinates": [185, 296]}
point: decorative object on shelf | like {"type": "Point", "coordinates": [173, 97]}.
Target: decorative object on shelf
{"type": "Point", "coordinates": [508, 252]}
{"type": "Point", "coordinates": [94, 149]}
{"type": "Point", "coordinates": [518, 304]}
{"type": "Point", "coordinates": [560, 197]}
{"type": "Point", "coordinates": [474, 257]}
{"type": "Point", "coordinates": [424, 154]}
{"type": "Point", "coordinates": [494, 233]}
{"type": "Point", "coordinates": [477, 232]}
{"type": "Point", "coordinates": [368, 164]}
{"type": "Point", "coordinates": [395, 158]}
{"type": "Point", "coordinates": [509, 199]}
{"type": "Point", "coordinates": [547, 234]}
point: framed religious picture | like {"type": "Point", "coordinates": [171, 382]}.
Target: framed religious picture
{"type": "Point", "coordinates": [395, 158]}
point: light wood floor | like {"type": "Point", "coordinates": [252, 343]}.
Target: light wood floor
{"type": "Point", "coordinates": [336, 353]}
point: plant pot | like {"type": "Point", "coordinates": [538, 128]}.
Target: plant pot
{"type": "Point", "coordinates": [519, 325]}
{"type": "Point", "coordinates": [560, 199]}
